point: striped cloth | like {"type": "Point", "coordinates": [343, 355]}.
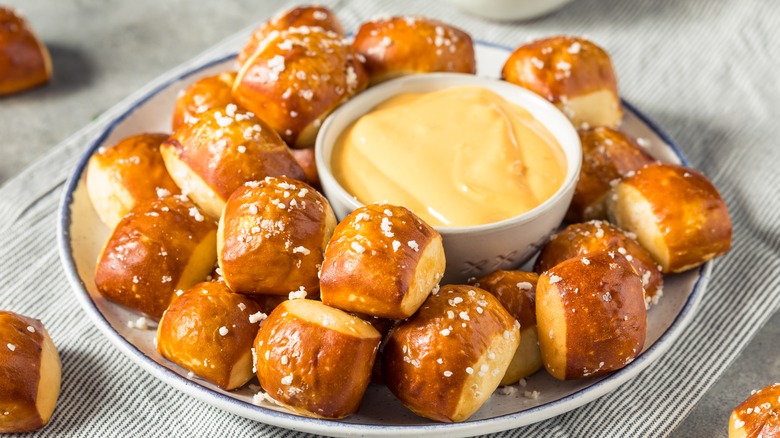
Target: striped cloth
{"type": "Point", "coordinates": [702, 69]}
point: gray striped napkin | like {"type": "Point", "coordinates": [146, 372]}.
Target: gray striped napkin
{"type": "Point", "coordinates": [697, 67]}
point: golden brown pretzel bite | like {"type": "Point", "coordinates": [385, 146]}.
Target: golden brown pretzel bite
{"type": "Point", "coordinates": [125, 174]}
{"type": "Point", "coordinates": [205, 94]}
{"type": "Point", "coordinates": [399, 46]}
{"type": "Point", "coordinates": [157, 248]}
{"type": "Point", "coordinates": [314, 359]}
{"type": "Point", "coordinates": [449, 357]}
{"type": "Point", "coordinates": [382, 261]}
{"type": "Point", "coordinates": [295, 78]}
{"type": "Point", "coordinates": [607, 156]}
{"type": "Point", "coordinates": [272, 237]}
{"type": "Point", "coordinates": [210, 330]}
{"type": "Point", "coordinates": [30, 374]}
{"type": "Point", "coordinates": [305, 159]}
{"type": "Point", "coordinates": [24, 60]}
{"type": "Point", "coordinates": [573, 73]}
{"type": "Point", "coordinates": [591, 316]}
{"type": "Point", "coordinates": [676, 214]}
{"type": "Point", "coordinates": [758, 416]}
{"type": "Point", "coordinates": [589, 237]}
{"type": "Point", "coordinates": [516, 291]}
{"type": "Point", "coordinates": [301, 16]}
{"type": "Point", "coordinates": [225, 148]}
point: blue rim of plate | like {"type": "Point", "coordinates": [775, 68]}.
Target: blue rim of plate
{"type": "Point", "coordinates": [282, 419]}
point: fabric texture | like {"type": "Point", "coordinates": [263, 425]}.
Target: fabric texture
{"type": "Point", "coordinates": [701, 69]}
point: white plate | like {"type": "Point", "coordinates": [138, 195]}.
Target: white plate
{"type": "Point", "coordinates": [81, 236]}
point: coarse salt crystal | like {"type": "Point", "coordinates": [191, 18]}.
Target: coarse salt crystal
{"type": "Point", "coordinates": [241, 149]}
{"type": "Point", "coordinates": [30, 329]}
{"type": "Point", "coordinates": [298, 294]}
{"type": "Point", "coordinates": [301, 249]}
{"type": "Point", "coordinates": [358, 248]}
{"type": "Point", "coordinates": [554, 279]}
{"type": "Point", "coordinates": [533, 395]}
{"type": "Point", "coordinates": [447, 373]}
{"type": "Point", "coordinates": [524, 285]}
{"type": "Point", "coordinates": [396, 245]}
{"type": "Point", "coordinates": [287, 380]}
{"type": "Point", "coordinates": [196, 214]}
{"type": "Point", "coordinates": [257, 317]}
{"type": "Point", "coordinates": [223, 331]}
{"type": "Point", "coordinates": [11, 346]}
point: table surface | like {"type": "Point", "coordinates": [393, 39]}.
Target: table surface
{"type": "Point", "coordinates": [103, 50]}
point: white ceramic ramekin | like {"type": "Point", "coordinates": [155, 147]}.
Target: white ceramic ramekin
{"type": "Point", "coordinates": [470, 250]}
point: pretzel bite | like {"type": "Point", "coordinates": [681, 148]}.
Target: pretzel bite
{"type": "Point", "coordinates": [209, 330]}
{"type": "Point", "coordinates": [682, 234]}
{"type": "Point", "coordinates": [449, 357]}
{"type": "Point", "coordinates": [758, 416]}
{"type": "Point", "coordinates": [224, 149]}
{"type": "Point", "coordinates": [382, 261]}
{"type": "Point", "coordinates": [400, 46]}
{"type": "Point", "coordinates": [590, 315]}
{"type": "Point", "coordinates": [205, 94]}
{"type": "Point", "coordinates": [314, 359]}
{"type": "Point", "coordinates": [125, 174]}
{"type": "Point", "coordinates": [272, 237]}
{"type": "Point", "coordinates": [301, 16]}
{"type": "Point", "coordinates": [24, 60]}
{"type": "Point", "coordinates": [607, 156]}
{"type": "Point", "coordinates": [516, 291]}
{"type": "Point", "coordinates": [383, 326]}
{"type": "Point", "coordinates": [589, 237]}
{"type": "Point", "coordinates": [573, 73]}
{"type": "Point", "coordinates": [305, 159]}
{"type": "Point", "coordinates": [29, 374]}
{"type": "Point", "coordinates": [157, 248]}
{"type": "Point", "coordinates": [295, 78]}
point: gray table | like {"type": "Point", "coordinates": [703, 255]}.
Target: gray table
{"type": "Point", "coordinates": [104, 49]}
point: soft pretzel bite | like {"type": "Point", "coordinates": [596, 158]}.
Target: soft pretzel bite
{"type": "Point", "coordinates": [676, 214]}
{"type": "Point", "coordinates": [382, 261]}
{"type": "Point", "coordinates": [591, 317]}
{"type": "Point", "coordinates": [449, 357]}
{"type": "Point", "coordinates": [24, 60]}
{"type": "Point", "coordinates": [758, 416]}
{"type": "Point", "coordinates": [314, 359]}
{"type": "Point", "coordinates": [209, 330]}
{"type": "Point", "coordinates": [301, 16]}
{"type": "Point", "coordinates": [305, 159]}
{"type": "Point", "coordinates": [398, 46]}
{"type": "Point", "coordinates": [607, 156]}
{"type": "Point", "coordinates": [225, 148]}
{"type": "Point", "coordinates": [516, 291]}
{"type": "Point", "coordinates": [157, 248]}
{"type": "Point", "coordinates": [272, 236]}
{"type": "Point", "coordinates": [573, 73]}
{"type": "Point", "coordinates": [208, 93]}
{"type": "Point", "coordinates": [295, 78]}
{"type": "Point", "coordinates": [125, 174]}
{"type": "Point", "coordinates": [30, 374]}
{"type": "Point", "coordinates": [589, 237]}
{"type": "Point", "coordinates": [383, 326]}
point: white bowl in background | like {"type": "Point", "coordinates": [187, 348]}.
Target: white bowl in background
{"type": "Point", "coordinates": [508, 10]}
{"type": "Point", "coordinates": [477, 250]}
